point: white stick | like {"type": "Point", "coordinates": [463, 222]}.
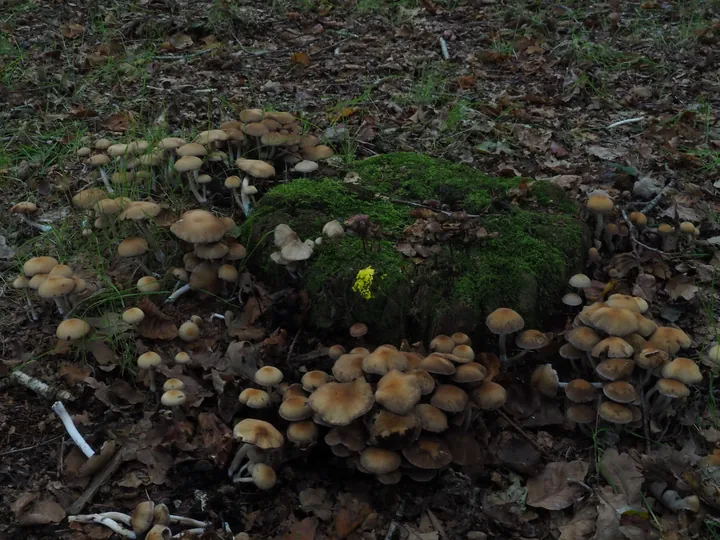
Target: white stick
{"type": "Point", "coordinates": [36, 385]}
{"type": "Point", "coordinates": [39, 226]}
{"type": "Point", "coordinates": [115, 516]}
{"type": "Point", "coordinates": [444, 49]}
{"type": "Point", "coordinates": [75, 435]}
{"type": "Point", "coordinates": [197, 531]}
{"type": "Point", "coordinates": [107, 522]}
{"type": "Point", "coordinates": [624, 122]}
{"type": "Point", "coordinates": [190, 522]}
{"type": "Point", "coordinates": [177, 294]}
{"type": "Point", "coordinates": [106, 181]}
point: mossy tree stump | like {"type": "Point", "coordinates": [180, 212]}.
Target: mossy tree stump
{"type": "Point", "coordinates": [526, 267]}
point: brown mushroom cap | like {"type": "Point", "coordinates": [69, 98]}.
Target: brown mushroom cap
{"type": "Point", "coordinates": [255, 167]}
{"type": "Point", "coordinates": [437, 365]}
{"type": "Point", "coordinates": [348, 367]}
{"type": "Point", "coordinates": [25, 207]}
{"type": "Point", "coordinates": [620, 391]}
{"type": "Point", "coordinates": [383, 360]}
{"type": "Point", "coordinates": [623, 301]}
{"type": "Point", "coordinates": [295, 408]}
{"type": "Point", "coordinates": [612, 347]}
{"type": "Point", "coordinates": [251, 115]}
{"type": "Point", "coordinates": [192, 150]}
{"type": "Point", "coordinates": [71, 329]}
{"type": "Point", "coordinates": [254, 398]}
{"type": "Point", "coordinates": [398, 392]}
{"type": "Point", "coordinates": [504, 321]}
{"type": "Point", "coordinates": [132, 247]}
{"type": "Point", "coordinates": [39, 265]}
{"type": "Point", "coordinates": [461, 338]}
{"type": "Point", "coordinates": [259, 433]}
{"type": "Point", "coordinates": [303, 433]}
{"type": "Point", "coordinates": [449, 398]}
{"type": "Point", "coordinates": [471, 372]}
{"type": "Point", "coordinates": [187, 164]}
{"type": "Point", "coordinates": [313, 380]}
{"type": "Point", "coordinates": [431, 418]}
{"type": "Point", "coordinates": [615, 413]}
{"type": "Point", "coordinates": [54, 287]}
{"type": "Point", "coordinates": [580, 391]}
{"type": "Point", "coordinates": [425, 380]}
{"type": "Point", "coordinates": [651, 358]}
{"type": "Point", "coordinates": [339, 404]}
{"type": "Point", "coordinates": [316, 153]}
{"type": "Point", "coordinates": [379, 460]}
{"type": "Point", "coordinates": [545, 380]}
{"type": "Point", "coordinates": [133, 315]}
{"type": "Point", "coordinates": [489, 396]}
{"type": "Point", "coordinates": [646, 327]}
{"type": "Point", "coordinates": [87, 198]}
{"type": "Point", "coordinates": [140, 210]}
{"type": "Point", "coordinates": [268, 376]}
{"type": "Point", "coordinates": [587, 312]}
{"type": "Point", "coordinates": [668, 339]}
{"type": "Point", "coordinates": [335, 352]}
{"type": "Point", "coordinates": [388, 429]}
{"type": "Point", "coordinates": [616, 322]}
{"type": "Point", "coordinates": [149, 360]}
{"type": "Point", "coordinates": [583, 338]}
{"type": "Point", "coordinates": [211, 251]}
{"type": "Point", "coordinates": [352, 436]}
{"type": "Point", "coordinates": [442, 343]}
{"type": "Point", "coordinates": [464, 352]}
{"type": "Point", "coordinates": [684, 370]}
{"type": "Point", "coordinates": [599, 203]}
{"type": "Point", "coordinates": [614, 369]}
{"type": "Point", "coordinates": [570, 352]}
{"type": "Point", "coordinates": [428, 453]}
{"type": "Point", "coordinates": [672, 388]}
{"type": "Point", "coordinates": [636, 341]}
{"type": "Point", "coordinates": [358, 330]}
{"type": "Point", "coordinates": [531, 340]}
{"type": "Point", "coordinates": [199, 226]}
{"type": "Point", "coordinates": [581, 414]}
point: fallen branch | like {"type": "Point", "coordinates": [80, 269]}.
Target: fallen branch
{"type": "Point", "coordinates": [444, 49]}
{"type": "Point", "coordinates": [523, 433]}
{"type": "Point", "coordinates": [97, 482]}
{"type": "Point", "coordinates": [654, 202]}
{"type": "Point", "coordinates": [625, 122]}
{"type": "Point", "coordinates": [36, 385]}
{"type": "Point", "coordinates": [75, 435]}
{"type": "Point", "coordinates": [105, 521]}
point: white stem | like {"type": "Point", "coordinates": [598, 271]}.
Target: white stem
{"type": "Point", "coordinates": [237, 459]}
{"type": "Point", "coordinates": [106, 181]}
{"type": "Point", "coordinates": [217, 316]}
{"type": "Point", "coordinates": [204, 190]}
{"type": "Point", "coordinates": [177, 294]}
{"type": "Point", "coordinates": [597, 385]}
{"type": "Point", "coordinates": [238, 200]}
{"type": "Point", "coordinates": [198, 531]}
{"type": "Point", "coordinates": [107, 522]}
{"type": "Point", "coordinates": [31, 308]}
{"type": "Point", "coordinates": [39, 226]}
{"type": "Point", "coordinates": [115, 516]}
{"type": "Point", "coordinates": [444, 49]}
{"type": "Point", "coordinates": [244, 198]}
{"type": "Point", "coordinates": [190, 522]}
{"type": "Point", "coordinates": [39, 387]}
{"type": "Point", "coordinates": [75, 435]}
{"type": "Point", "coordinates": [151, 373]}
{"type": "Point", "coordinates": [59, 304]}
{"type": "Point", "coordinates": [194, 190]}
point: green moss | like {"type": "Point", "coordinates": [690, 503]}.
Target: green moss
{"type": "Point", "coordinates": [539, 245]}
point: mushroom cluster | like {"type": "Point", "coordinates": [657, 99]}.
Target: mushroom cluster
{"type": "Point", "coordinates": [615, 344]}
{"type": "Point", "coordinates": [52, 281]}
{"type": "Point", "coordinates": [390, 413]}
{"type": "Point", "coordinates": [290, 249]}
{"type": "Point", "coordinates": [210, 264]}
{"type": "Point", "coordinates": [505, 321]}
{"type": "Point", "coordinates": [269, 137]}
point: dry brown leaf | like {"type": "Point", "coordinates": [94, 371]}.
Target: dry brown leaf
{"type": "Point", "coordinates": [347, 519]}
{"type": "Point", "coordinates": [73, 373]}
{"type": "Point", "coordinates": [29, 511]}
{"type": "Point", "coordinates": [72, 30]}
{"type": "Point", "coordinates": [217, 439]}
{"type": "Point", "coordinates": [155, 325]}
{"type": "Point", "coordinates": [553, 489]}
{"type": "Point", "coordinates": [581, 526]}
{"type": "Point", "coordinates": [623, 474]}
{"type": "Point", "coordinates": [681, 286]}
{"type": "Point", "coordinates": [102, 352]}
{"type": "Point", "coordinates": [180, 41]}
{"type": "Point", "coordinates": [300, 58]}
{"type": "Point", "coordinates": [491, 363]}
{"type": "Point", "coordinates": [302, 530]}
{"type": "Point", "coordinates": [118, 122]}
{"type": "Point", "coordinates": [466, 81]}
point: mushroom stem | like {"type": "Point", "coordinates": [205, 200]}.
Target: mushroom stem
{"type": "Point", "coordinates": [178, 293]}
{"type": "Point", "coordinates": [106, 181]}
{"type": "Point", "coordinates": [60, 305]}
{"type": "Point", "coordinates": [189, 522]}
{"type": "Point", "coordinates": [75, 435]}
{"type": "Point", "coordinates": [591, 361]}
{"type": "Point", "coordinates": [107, 522]}
{"type": "Point", "coordinates": [599, 225]}
{"type": "Point", "coordinates": [193, 188]}
{"type": "Point", "coordinates": [237, 459]}
{"type": "Point", "coordinates": [39, 226]}
{"type": "Point", "coordinates": [115, 516]}
{"type": "Point", "coordinates": [517, 357]}
{"type": "Point", "coordinates": [151, 374]}
{"type": "Point", "coordinates": [238, 200]}
{"type": "Point", "coordinates": [31, 307]}
{"type": "Point", "coordinates": [245, 199]}
{"type": "Point", "coordinates": [501, 346]}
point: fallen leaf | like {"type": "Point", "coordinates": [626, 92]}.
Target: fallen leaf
{"type": "Point", "coordinates": [118, 122]}
{"type": "Point", "coordinates": [29, 511]}
{"type": "Point", "coordinates": [553, 489]}
{"type": "Point", "coordinates": [180, 41]}
{"type": "Point", "coordinates": [681, 286]}
{"type": "Point", "coordinates": [81, 112]}
{"type": "Point", "coordinates": [581, 526]}
{"type": "Point", "coordinates": [102, 352]}
{"type": "Point", "coordinates": [302, 530]}
{"type": "Point", "coordinates": [349, 518]}
{"type": "Point", "coordinates": [155, 325]}
{"type": "Point", "coordinates": [300, 58]}
{"type": "Point", "coordinates": [217, 439]}
{"type": "Point", "coordinates": [623, 474]}
{"type": "Point", "coordinates": [73, 373]}
{"type": "Point", "coordinates": [317, 502]}
{"type": "Point", "coordinates": [606, 153]}
{"type": "Point", "coordinates": [72, 30]}
{"type": "Point", "coordinates": [466, 81]}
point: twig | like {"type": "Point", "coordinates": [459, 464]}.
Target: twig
{"type": "Point", "coordinates": [190, 522]}
{"type": "Point", "coordinates": [394, 523]}
{"type": "Point", "coordinates": [625, 122]}
{"type": "Point", "coordinates": [333, 46]}
{"type": "Point", "coordinates": [444, 49]}
{"type": "Point", "coordinates": [107, 522]}
{"type": "Point", "coordinates": [631, 229]}
{"type": "Point", "coordinates": [523, 433]}
{"type": "Point", "coordinates": [197, 531]}
{"type": "Point", "coordinates": [292, 345]}
{"type": "Point", "coordinates": [654, 202]}
{"type": "Point", "coordinates": [646, 415]}
{"type": "Point", "coordinates": [97, 482]}
{"type": "Point", "coordinates": [174, 57]}
{"type": "Point", "coordinates": [75, 435]}
{"type": "Point", "coordinates": [36, 385]}
{"type": "Point", "coordinates": [38, 445]}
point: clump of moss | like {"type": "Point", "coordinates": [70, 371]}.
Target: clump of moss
{"type": "Point", "coordinates": [539, 244]}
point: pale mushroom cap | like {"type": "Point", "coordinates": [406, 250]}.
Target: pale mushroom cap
{"type": "Point", "coordinates": [614, 321]}
{"type": "Point", "coordinates": [437, 365]}
{"type": "Point", "coordinates": [117, 150]}
{"type": "Point", "coordinates": [313, 380]}
{"type": "Point", "coordinates": [336, 351]}
{"type": "Point", "coordinates": [61, 270]}
{"type": "Point", "coordinates": [233, 182]}
{"type": "Point", "coordinates": [210, 136]}
{"type": "Point", "coordinates": [102, 144]}
{"type": "Point", "coordinates": [187, 164]}
{"type": "Point", "coordinates": [333, 229]}
{"type": "Point", "coordinates": [254, 398]}
{"type": "Point", "coordinates": [192, 150]}
{"type": "Point", "coordinates": [173, 398]}
{"type": "Point", "coordinates": [398, 392]}
{"type": "Point", "coordinates": [189, 331]}
{"type": "Point", "coordinates": [316, 153]}
{"type": "Point", "coordinates": [580, 391]}
{"type": "Point", "coordinates": [580, 281]}
{"type": "Point", "coordinates": [148, 284]}
{"type": "Point", "coordinates": [588, 311]}
{"type": "Point", "coordinates": [305, 166]}
{"type": "Point", "coordinates": [132, 247]}
{"type": "Point", "coordinates": [357, 330]}
{"type": "Point", "coordinates": [87, 198]}
{"type": "Point", "coordinates": [425, 380]}
{"type": "Point", "coordinates": [583, 338]}
{"type": "Point", "coordinates": [54, 287]}
{"type": "Point", "coordinates": [620, 391]}
{"type": "Point", "coordinates": [599, 203]}
{"type": "Point", "coordinates": [71, 329]}
{"type": "Point", "coordinates": [531, 340]}
{"type": "Point", "coordinates": [545, 380]}
{"type": "Point", "coordinates": [612, 347]}
{"type": "Point", "coordinates": [211, 251]}
{"type": "Point", "coordinates": [36, 281]}
{"type": "Point", "coordinates": [623, 301]}
{"type": "Point", "coordinates": [39, 265]}
{"type": "Point", "coordinates": [383, 360]}
{"type": "Point", "coordinates": [173, 384]}
{"type": "Point", "coordinates": [669, 339]}
{"type": "Point", "coordinates": [181, 274]}
{"type": "Point", "coordinates": [570, 352]}
{"type": "Point", "coordinates": [199, 226]}
{"type": "Point", "coordinates": [98, 160]}
{"type": "Point", "coordinates": [672, 388]}
{"type": "Point", "coordinates": [713, 354]}
{"type": "Point", "coordinates": [255, 167]}
{"type": "Point", "coordinates": [295, 408]}
{"type": "Point", "coordinates": [613, 369]}
{"type": "Point", "coordinates": [442, 344]}
{"type": "Point", "coordinates": [339, 404]}
{"type": "Point", "coordinates": [251, 115]}
{"type": "Point", "coordinates": [646, 327]}
{"type": "Point", "coordinates": [149, 360]}
{"type": "Point", "coordinates": [140, 210]}
{"type": "Point", "coordinates": [228, 273]}
{"type": "Point", "coordinates": [461, 338]}
{"type": "Point", "coordinates": [432, 419]}
{"type": "Point", "coordinates": [204, 178]}
{"type": "Point", "coordinates": [258, 432]}
{"type": "Point", "coordinates": [684, 370]}
{"type": "Point", "coordinates": [182, 358]}
{"type": "Point", "coordinates": [572, 299]}
{"type": "Point", "coordinates": [235, 252]}
{"type": "Point", "coordinates": [171, 143]}
{"type": "Point", "coordinates": [651, 358]}
{"type": "Point", "coordinates": [615, 413]}
{"type": "Point", "coordinates": [303, 432]}
{"type": "Point", "coordinates": [504, 321]}
{"type": "Point", "coordinates": [133, 315]}
{"type": "Point", "coordinates": [449, 398]}
{"type": "Point", "coordinates": [25, 207]}
{"type": "Point", "coordinates": [297, 251]}
{"type": "Point", "coordinates": [380, 460]}
{"type": "Point", "coordinates": [255, 129]}
{"type": "Point", "coordinates": [111, 206]}
{"type": "Point", "coordinates": [687, 228]}
{"type": "Point", "coordinates": [268, 376]}
{"type": "Point", "coordinates": [279, 116]}
{"type": "Point", "coordinates": [489, 395]}
{"type": "Point", "coordinates": [142, 516]}
{"type": "Point", "coordinates": [21, 282]}
{"type": "Point", "coordinates": [348, 367]}
{"type": "Point", "coordinates": [471, 372]}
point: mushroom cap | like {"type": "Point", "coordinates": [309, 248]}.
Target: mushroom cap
{"type": "Point", "coordinates": [87, 198]}
{"type": "Point", "coordinates": [684, 370]}
{"type": "Point", "coordinates": [620, 392]}
{"type": "Point", "coordinates": [672, 388]}
{"type": "Point", "coordinates": [352, 436]}
{"type": "Point", "coordinates": [425, 380]}
{"type": "Point", "coordinates": [442, 344]}
{"type": "Point", "coordinates": [380, 460]}
{"type": "Point", "coordinates": [263, 476]}
{"type": "Point", "coordinates": [614, 321]}
{"type": "Point", "coordinates": [54, 287]}
{"type": "Point", "coordinates": [297, 250]}
{"type": "Point", "coordinates": [471, 372]}
{"type": "Point", "coordinates": [148, 284]}
{"type": "Point", "coordinates": [333, 229]}
{"type": "Point", "coordinates": [211, 251]}
{"type": "Point", "coordinates": [313, 380]}
{"type": "Point", "coordinates": [612, 347]}
{"type": "Point", "coordinates": [358, 330]}
{"type": "Point", "coordinates": [615, 413]}
{"type": "Point", "coordinates": [581, 414]}
{"type": "Point", "coordinates": [233, 182]}
{"type": "Point", "coordinates": [268, 376]}
{"type": "Point", "coordinates": [132, 247]}
{"type": "Point", "coordinates": [316, 153]}
{"type": "Point", "coordinates": [39, 265]}
{"type": "Point", "coordinates": [133, 315]}
{"type": "Point", "coordinates": [588, 311]}
{"type": "Point", "coordinates": [449, 398]}
{"type": "Point", "coordinates": [360, 350]}
{"type": "Point", "coordinates": [437, 365]}
{"type": "Point", "coordinates": [302, 433]}
{"type": "Point", "coordinates": [171, 143]}
{"type": "Point", "coordinates": [531, 340]}
{"type": "Point", "coordinates": [25, 207]}
{"type": "Point", "coordinates": [182, 358]}
{"type": "Point", "coordinates": [428, 453]}
{"type": "Point", "coordinates": [305, 166]}
{"type": "Point", "coordinates": [21, 282]}
{"type": "Point", "coordinates": [613, 369]}
{"type": "Point", "coordinates": [140, 210]}
{"type": "Point", "coordinates": [583, 338]}
{"type": "Point", "coordinates": [545, 380]}
{"type": "Point", "coordinates": [173, 384]}
{"type": "Point", "coordinates": [651, 358]}
{"type": "Point", "coordinates": [251, 115]}
{"type": "Point", "coordinates": [338, 404]}
{"type": "Point", "coordinates": [504, 321]}
{"type": "Point", "coordinates": [61, 270]}
{"type": "Point", "coordinates": [187, 164]}
{"type": "Point", "coordinates": [255, 167]}
{"type": "Point", "coordinates": [687, 228]}
{"type": "Point", "coordinates": [461, 338]}
{"type": "Point", "coordinates": [580, 391]}
{"type": "Point", "coordinates": [259, 433]}
{"type": "Point", "coordinates": [390, 478]}
{"type": "Point", "coordinates": [348, 367]}
{"type": "Point", "coordinates": [646, 327]}
{"type": "Point", "coordinates": [279, 116]}
{"type": "Point", "coordinates": [431, 418]}
{"type": "Point", "coordinates": [111, 206]}
{"type": "Point", "coordinates": [295, 408]}
{"type": "Point", "coordinates": [203, 276]}
{"type": "Point", "coordinates": [398, 392]}
{"type": "Point", "coordinates": [665, 229]}
{"type": "Point", "coordinates": [668, 339]}
{"type": "Point", "coordinates": [235, 252]}
{"type": "Point", "coordinates": [191, 150]}
{"type": "Point", "coordinates": [388, 429]}
{"type": "Point", "coordinates": [189, 331]}
{"type": "Point", "coordinates": [570, 352]}
{"type": "Point", "coordinates": [173, 398]}
{"type": "Point", "coordinates": [210, 136]}
{"type": "Point", "coordinates": [142, 516]}
{"type": "Point", "coordinates": [274, 138]}
{"type": "Point", "coordinates": [489, 396]}
{"type": "Point", "coordinates": [228, 273]}
{"type": "Point", "coordinates": [199, 226]}
{"type": "Point", "coordinates": [572, 299]}
{"type": "Point", "coordinates": [623, 301]}
{"type": "Point", "coordinates": [71, 329]}
{"type": "Point", "coordinates": [98, 160]}
{"type": "Point", "coordinates": [383, 360]}
{"type": "Point", "coordinates": [255, 129]}
{"type": "Point", "coordinates": [599, 203]}
{"type": "Point", "coordinates": [335, 352]}
{"type": "Point", "coordinates": [254, 398]}
{"type": "Point", "coordinates": [102, 144]}
{"type": "Point", "coordinates": [580, 281]}
{"type": "Point", "coordinates": [36, 281]}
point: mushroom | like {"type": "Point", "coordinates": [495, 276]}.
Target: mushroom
{"type": "Point", "coordinates": [428, 453]}
{"type": "Point", "coordinates": [25, 209]}
{"type": "Point", "coordinates": [254, 398]}
{"type": "Point", "coordinates": [189, 331]}
{"type": "Point", "coordinates": [668, 237]}
{"type": "Point", "coordinates": [684, 370]}
{"type": "Point", "coordinates": [228, 274]}
{"type": "Point", "coordinates": [182, 358]}
{"type": "Point", "coordinates": [336, 351]}
{"type": "Point", "coordinates": [173, 398]}
{"type": "Point", "coordinates": [72, 330]}
{"type": "Point", "coordinates": [98, 161]}
{"type": "Point", "coordinates": [614, 321]}
{"type": "Point", "coordinates": [581, 391]}
{"type": "Point", "coordinates": [529, 340]}
{"type": "Point", "coordinates": [339, 404]}
{"type": "Point", "coordinates": [649, 358]}
{"type": "Point", "coordinates": [449, 398]}
{"type": "Point", "coordinates": [358, 330]}
{"type": "Point", "coordinates": [305, 167]}
{"type": "Point", "coordinates": [134, 246]}
{"type": "Point", "coordinates": [57, 288]}
{"type": "Point", "coordinates": [665, 338]}
{"type": "Point", "coordinates": [570, 352]}
{"type": "Point", "coordinates": [234, 183]}
{"type": "Point", "coordinates": [295, 409]}
{"type": "Point", "coordinates": [149, 361]}
{"type": "Point", "coordinates": [383, 360]}
{"type": "Point", "coordinates": [599, 204]}
{"type": "Point", "coordinates": [303, 433]}
{"type": "Point", "coordinates": [572, 300]}
{"type": "Point", "coordinates": [22, 283]}
{"type": "Point", "coordinates": [668, 389]}
{"type": "Point", "coordinates": [398, 392]}
{"type": "Point", "coordinates": [442, 344]}
{"type": "Point", "coordinates": [348, 367]}
{"type": "Point", "coordinates": [379, 460]}
{"type": "Point", "coordinates": [313, 380]}
{"type": "Point", "coordinates": [620, 392]}
{"type": "Point", "coordinates": [262, 475]}
{"type": "Point", "coordinates": [469, 373]}
{"type": "Point", "coordinates": [133, 316]}
{"type": "Point", "coordinates": [432, 419]}
{"type": "Point", "coordinates": [504, 321]}
{"type": "Point", "coordinates": [582, 415]}
{"type": "Point", "coordinates": [489, 396]}
{"type": "Point", "coordinates": [148, 284]}
{"type": "Point", "coordinates": [333, 229]}
{"type": "Point", "coordinates": [545, 380]}
{"type": "Point", "coordinates": [191, 164]}
{"type": "Point", "coordinates": [615, 413]}
{"type": "Point", "coordinates": [142, 516]}
{"type": "Point", "coordinates": [254, 433]}
{"type": "Point", "coordinates": [614, 369]}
